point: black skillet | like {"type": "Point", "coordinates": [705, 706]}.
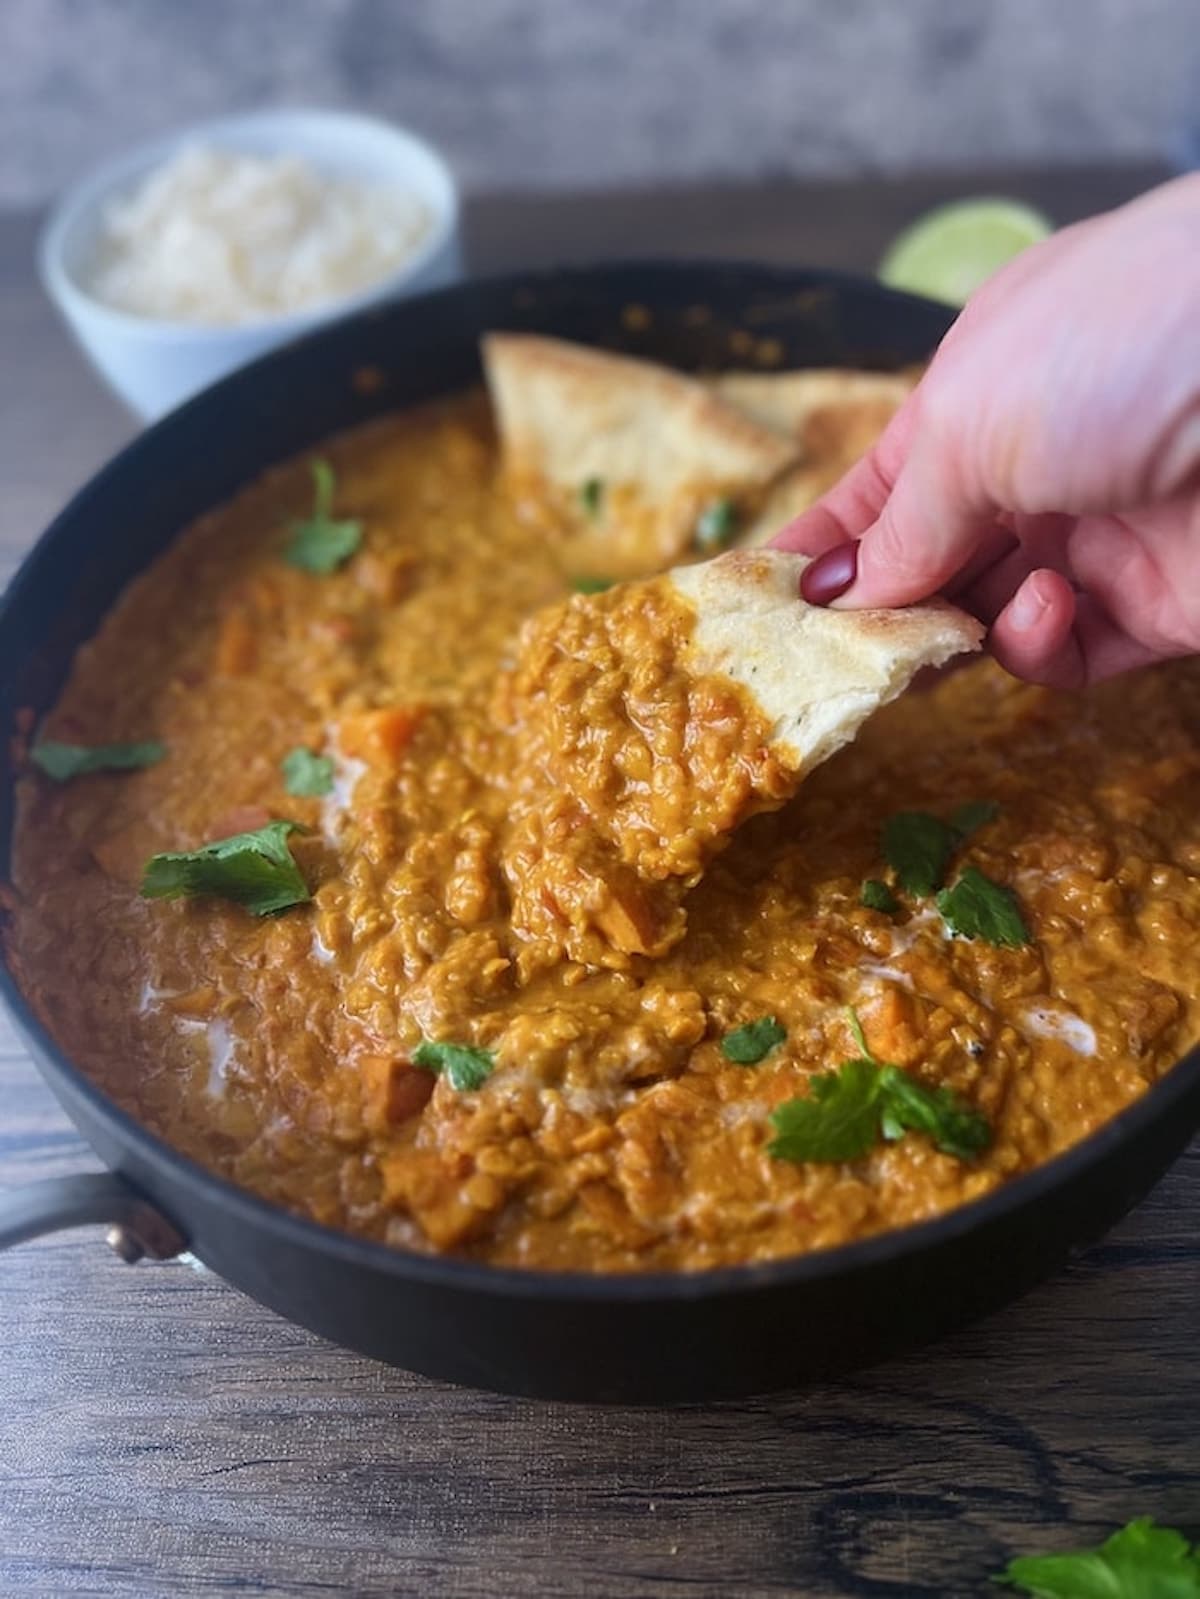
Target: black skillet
{"type": "Point", "coordinates": [612, 1338]}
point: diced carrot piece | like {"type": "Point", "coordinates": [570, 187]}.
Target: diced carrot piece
{"type": "Point", "coordinates": [893, 1027]}
{"type": "Point", "coordinates": [380, 736]}
{"type": "Point", "coordinates": [426, 1185]}
{"type": "Point", "coordinates": [392, 1090]}
{"type": "Point", "coordinates": [627, 921]}
{"type": "Point", "coordinates": [236, 645]}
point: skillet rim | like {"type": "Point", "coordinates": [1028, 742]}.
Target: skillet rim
{"type": "Point", "coordinates": [455, 1273]}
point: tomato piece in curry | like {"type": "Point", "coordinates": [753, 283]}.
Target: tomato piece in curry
{"type": "Point", "coordinates": [613, 1132]}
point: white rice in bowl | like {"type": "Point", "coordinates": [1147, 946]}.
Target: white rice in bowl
{"type": "Point", "coordinates": [216, 236]}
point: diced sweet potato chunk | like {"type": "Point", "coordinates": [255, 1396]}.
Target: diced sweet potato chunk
{"type": "Point", "coordinates": [380, 737]}
{"type": "Point", "coordinates": [392, 1090]}
{"type": "Point", "coordinates": [627, 922]}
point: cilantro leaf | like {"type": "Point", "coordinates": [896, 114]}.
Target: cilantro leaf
{"type": "Point", "coordinates": [847, 1111]}
{"type": "Point", "coordinates": [918, 847]}
{"type": "Point", "coordinates": [973, 815]}
{"type": "Point", "coordinates": [306, 773]}
{"type": "Point", "coordinates": [978, 908]}
{"type": "Point", "coordinates": [839, 1120]}
{"type": "Point", "coordinates": [256, 870]}
{"type": "Point", "coordinates": [64, 761]}
{"type": "Point", "coordinates": [939, 1113]}
{"type": "Point", "coordinates": [754, 1041]}
{"type": "Point", "coordinates": [592, 585]}
{"type": "Point", "coordinates": [715, 525]}
{"type": "Point", "coordinates": [319, 543]}
{"type": "Point", "coordinates": [591, 495]}
{"type": "Point", "coordinates": [877, 896]}
{"type": "Point", "coordinates": [465, 1066]}
{"type": "Point", "coordinates": [1141, 1561]}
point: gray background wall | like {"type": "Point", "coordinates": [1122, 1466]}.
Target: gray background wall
{"type": "Point", "coordinates": [546, 93]}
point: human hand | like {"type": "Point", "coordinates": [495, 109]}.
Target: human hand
{"type": "Point", "coordinates": [1045, 472]}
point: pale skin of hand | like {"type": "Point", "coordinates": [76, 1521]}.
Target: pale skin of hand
{"type": "Point", "coordinates": [1045, 473]}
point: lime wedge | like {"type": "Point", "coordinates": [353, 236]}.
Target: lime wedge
{"type": "Point", "coordinates": [947, 253]}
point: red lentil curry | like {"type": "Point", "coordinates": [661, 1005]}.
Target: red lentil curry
{"type": "Point", "coordinates": [451, 1046]}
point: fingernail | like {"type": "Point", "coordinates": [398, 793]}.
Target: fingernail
{"type": "Point", "coordinates": [1027, 608]}
{"type": "Point", "coordinates": [830, 574]}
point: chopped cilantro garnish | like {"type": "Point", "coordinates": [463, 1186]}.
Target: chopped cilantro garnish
{"type": "Point", "coordinates": [939, 1113]}
{"type": "Point", "coordinates": [715, 525]}
{"type": "Point", "coordinates": [464, 1065]}
{"type": "Point", "coordinates": [592, 585]}
{"type": "Point", "coordinates": [975, 907]}
{"type": "Point", "coordinates": [64, 761]}
{"type": "Point", "coordinates": [306, 773]}
{"type": "Point", "coordinates": [846, 1111]}
{"type": "Point", "coordinates": [917, 847]}
{"type": "Point", "coordinates": [839, 1120]}
{"type": "Point", "coordinates": [969, 818]}
{"type": "Point", "coordinates": [319, 543]}
{"type": "Point", "coordinates": [591, 495]}
{"type": "Point", "coordinates": [1141, 1561]}
{"type": "Point", "coordinates": [754, 1041]}
{"type": "Point", "coordinates": [877, 896]}
{"type": "Point", "coordinates": [256, 870]}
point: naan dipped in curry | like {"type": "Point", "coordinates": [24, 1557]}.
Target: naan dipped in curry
{"type": "Point", "coordinates": [652, 720]}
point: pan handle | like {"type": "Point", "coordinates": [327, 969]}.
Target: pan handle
{"type": "Point", "coordinates": [135, 1228]}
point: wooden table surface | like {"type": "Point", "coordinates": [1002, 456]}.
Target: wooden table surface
{"type": "Point", "coordinates": [160, 1435]}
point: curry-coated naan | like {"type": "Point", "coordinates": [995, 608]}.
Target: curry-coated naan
{"type": "Point", "coordinates": [652, 720]}
{"type": "Point", "coordinates": [815, 674]}
{"type": "Point", "coordinates": [834, 416]}
{"type": "Point", "coordinates": [634, 453]}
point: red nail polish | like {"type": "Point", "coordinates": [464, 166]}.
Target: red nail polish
{"type": "Point", "coordinates": [830, 574]}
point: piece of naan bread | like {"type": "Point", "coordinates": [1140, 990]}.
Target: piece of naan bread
{"type": "Point", "coordinates": [834, 416]}
{"type": "Point", "coordinates": [652, 720]}
{"type": "Point", "coordinates": [816, 674]}
{"type": "Point", "coordinates": [634, 454]}
{"type": "Point", "coordinates": [827, 410]}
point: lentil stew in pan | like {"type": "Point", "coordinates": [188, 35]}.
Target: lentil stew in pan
{"type": "Point", "coordinates": [968, 941]}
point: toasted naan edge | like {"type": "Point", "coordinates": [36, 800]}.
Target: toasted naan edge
{"type": "Point", "coordinates": [835, 416]}
{"type": "Point", "coordinates": [662, 445]}
{"type": "Point", "coordinates": [816, 674]}
{"type": "Point", "coordinates": [794, 492]}
{"type": "Point", "coordinates": [806, 403]}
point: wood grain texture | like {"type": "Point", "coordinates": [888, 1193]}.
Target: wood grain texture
{"type": "Point", "coordinates": [161, 1436]}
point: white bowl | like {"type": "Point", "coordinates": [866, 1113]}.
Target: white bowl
{"type": "Point", "coordinates": [153, 364]}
